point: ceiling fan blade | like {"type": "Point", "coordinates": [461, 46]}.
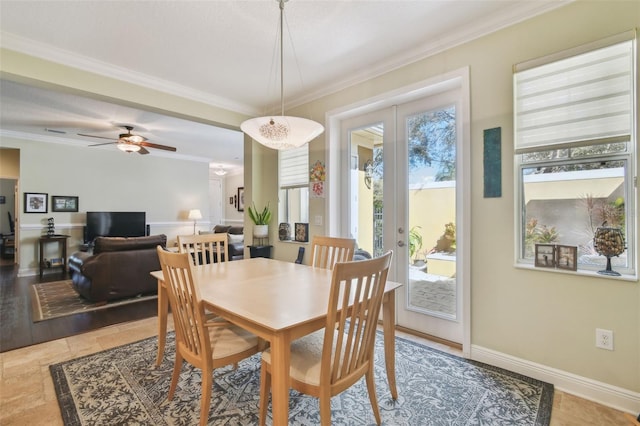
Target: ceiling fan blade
{"type": "Point", "coordinates": [157, 146]}
{"type": "Point", "coordinates": [94, 136]}
{"type": "Point", "coordinates": [142, 150]}
{"type": "Point", "coordinates": [100, 144]}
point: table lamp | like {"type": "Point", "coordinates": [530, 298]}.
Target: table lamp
{"type": "Point", "coordinates": [194, 215]}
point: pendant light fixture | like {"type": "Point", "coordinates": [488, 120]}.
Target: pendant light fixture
{"type": "Point", "coordinates": [282, 132]}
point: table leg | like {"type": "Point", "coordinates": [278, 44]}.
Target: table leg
{"type": "Point", "coordinates": [163, 312]}
{"type": "Point", "coordinates": [388, 329]}
{"type": "Point", "coordinates": [280, 379]}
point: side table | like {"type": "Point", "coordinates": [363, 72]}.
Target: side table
{"type": "Point", "coordinates": [62, 246]}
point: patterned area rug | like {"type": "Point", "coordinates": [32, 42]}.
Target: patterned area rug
{"type": "Point", "coordinates": [122, 386]}
{"type": "Point", "coordinates": [58, 298]}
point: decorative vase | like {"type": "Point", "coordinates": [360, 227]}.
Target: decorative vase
{"type": "Point", "coordinates": [261, 231]}
{"type": "Point", "coordinates": [284, 231]}
{"type": "Point", "coordinates": [609, 242]}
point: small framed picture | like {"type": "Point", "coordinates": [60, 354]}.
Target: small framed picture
{"type": "Point", "coordinates": [566, 257]}
{"type": "Point", "coordinates": [241, 199]}
{"type": "Point", "coordinates": [545, 255]}
{"type": "Point", "coordinates": [35, 202]}
{"type": "Point", "coordinates": [302, 232]}
{"type": "Point", "coordinates": [63, 203]}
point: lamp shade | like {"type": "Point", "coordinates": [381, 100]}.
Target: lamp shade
{"type": "Point", "coordinates": [282, 132]}
{"type": "Point", "coordinates": [195, 214]}
{"type": "Point", "coordinates": [128, 147]}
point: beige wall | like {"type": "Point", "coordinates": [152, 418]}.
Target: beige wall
{"type": "Point", "coordinates": [537, 316]}
{"type": "Point", "coordinates": [105, 180]}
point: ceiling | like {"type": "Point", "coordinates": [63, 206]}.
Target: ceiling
{"type": "Point", "coordinates": [224, 53]}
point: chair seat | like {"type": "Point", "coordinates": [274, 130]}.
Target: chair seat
{"type": "Point", "coordinates": [230, 340]}
{"type": "Point", "coordinates": [306, 357]}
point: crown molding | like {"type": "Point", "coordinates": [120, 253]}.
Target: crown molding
{"type": "Point", "coordinates": [66, 58]}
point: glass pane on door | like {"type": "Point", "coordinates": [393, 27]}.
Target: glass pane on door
{"type": "Point", "coordinates": [431, 140]}
{"type": "Point", "coordinates": [367, 188]}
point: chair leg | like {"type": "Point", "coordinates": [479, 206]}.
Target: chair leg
{"type": "Point", "coordinates": [265, 388]}
{"type": "Point", "coordinates": [371, 387]}
{"type": "Point", "coordinates": [207, 384]}
{"type": "Point", "coordinates": [177, 366]}
{"type": "Point", "coordinates": [325, 408]}
{"type": "Point", "coordinates": [163, 311]}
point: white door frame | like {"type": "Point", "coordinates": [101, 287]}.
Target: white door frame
{"type": "Point", "coordinates": [338, 164]}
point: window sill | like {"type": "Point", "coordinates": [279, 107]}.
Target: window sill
{"type": "Point", "coordinates": [581, 272]}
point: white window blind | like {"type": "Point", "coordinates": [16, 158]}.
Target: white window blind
{"type": "Point", "coordinates": [583, 99]}
{"type": "Point", "coordinates": [294, 167]}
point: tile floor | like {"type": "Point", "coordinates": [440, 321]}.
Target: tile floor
{"type": "Point", "coordinates": [27, 396]}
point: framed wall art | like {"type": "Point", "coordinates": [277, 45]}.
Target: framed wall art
{"type": "Point", "coordinates": [241, 199]}
{"type": "Point", "coordinates": [35, 202]}
{"type": "Point", "coordinates": [566, 257]}
{"type": "Point", "coordinates": [63, 203]}
{"type": "Point", "coordinates": [545, 255]}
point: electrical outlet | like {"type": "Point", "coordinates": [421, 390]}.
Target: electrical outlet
{"type": "Point", "coordinates": [604, 339]}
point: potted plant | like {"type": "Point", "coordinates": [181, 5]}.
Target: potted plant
{"type": "Point", "coordinates": [415, 242]}
{"type": "Point", "coordinates": [261, 220]}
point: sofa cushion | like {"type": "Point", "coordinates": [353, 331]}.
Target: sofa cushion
{"type": "Point", "coordinates": [236, 238]}
{"type": "Point", "coordinates": [236, 230]}
{"type": "Point", "coordinates": [219, 229]}
{"type": "Point", "coordinates": [111, 244]}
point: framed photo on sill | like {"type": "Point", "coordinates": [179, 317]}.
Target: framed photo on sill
{"type": "Point", "coordinates": [63, 203]}
{"type": "Point", "coordinates": [35, 202]}
{"type": "Point", "coordinates": [567, 257]}
{"type": "Point", "coordinates": [302, 232]}
{"type": "Point", "coordinates": [545, 255]}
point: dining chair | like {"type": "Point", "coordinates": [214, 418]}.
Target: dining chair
{"type": "Point", "coordinates": [204, 344]}
{"type": "Point", "coordinates": [205, 248]}
{"type": "Point", "coordinates": [327, 362]}
{"type": "Point", "coordinates": [327, 251]}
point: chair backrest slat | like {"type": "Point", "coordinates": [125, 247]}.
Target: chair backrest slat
{"type": "Point", "coordinates": [205, 248]}
{"type": "Point", "coordinates": [355, 301]}
{"type": "Point", "coordinates": [327, 251]}
{"type": "Point", "coordinates": [184, 298]}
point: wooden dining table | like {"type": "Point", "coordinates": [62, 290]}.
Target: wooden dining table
{"type": "Point", "coordinates": [279, 302]}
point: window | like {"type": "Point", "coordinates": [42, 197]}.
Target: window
{"type": "Point", "coordinates": [294, 185]}
{"type": "Point", "coordinates": [575, 151]}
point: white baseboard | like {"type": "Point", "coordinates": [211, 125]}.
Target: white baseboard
{"type": "Point", "coordinates": [593, 390]}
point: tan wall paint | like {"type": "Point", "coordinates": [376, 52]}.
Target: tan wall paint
{"type": "Point", "coordinates": [543, 317]}
{"type": "Point", "coordinates": [539, 316]}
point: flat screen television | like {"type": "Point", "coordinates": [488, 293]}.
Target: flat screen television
{"type": "Point", "coordinates": [115, 224]}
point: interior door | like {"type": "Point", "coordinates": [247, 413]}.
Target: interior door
{"type": "Point", "coordinates": [404, 159]}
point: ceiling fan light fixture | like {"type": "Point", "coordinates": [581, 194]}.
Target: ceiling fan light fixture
{"type": "Point", "coordinates": [283, 132]}
{"type": "Point", "coordinates": [131, 138]}
{"type": "Point", "coordinates": [128, 147]}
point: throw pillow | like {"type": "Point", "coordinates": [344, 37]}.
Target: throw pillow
{"type": "Point", "coordinates": [236, 238]}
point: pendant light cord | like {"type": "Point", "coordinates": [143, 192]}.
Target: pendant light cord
{"type": "Point", "coordinates": [282, 57]}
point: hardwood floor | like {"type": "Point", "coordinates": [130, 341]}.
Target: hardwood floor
{"type": "Point", "coordinates": [18, 330]}
{"type": "Point", "coordinates": [27, 396]}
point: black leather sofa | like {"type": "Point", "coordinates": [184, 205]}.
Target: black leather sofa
{"type": "Point", "coordinates": [236, 239]}
{"type": "Point", "coordinates": [117, 268]}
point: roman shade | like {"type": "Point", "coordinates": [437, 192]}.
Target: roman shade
{"type": "Point", "coordinates": [579, 97]}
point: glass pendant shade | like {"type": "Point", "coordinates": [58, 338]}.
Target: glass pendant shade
{"type": "Point", "coordinates": [282, 132]}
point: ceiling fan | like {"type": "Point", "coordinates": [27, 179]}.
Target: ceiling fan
{"type": "Point", "coordinates": [128, 142]}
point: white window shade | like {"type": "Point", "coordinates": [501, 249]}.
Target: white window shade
{"type": "Point", "coordinates": [578, 100]}
{"type": "Point", "coordinates": [294, 167]}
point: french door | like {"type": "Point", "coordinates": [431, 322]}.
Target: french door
{"type": "Point", "coordinates": [405, 194]}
